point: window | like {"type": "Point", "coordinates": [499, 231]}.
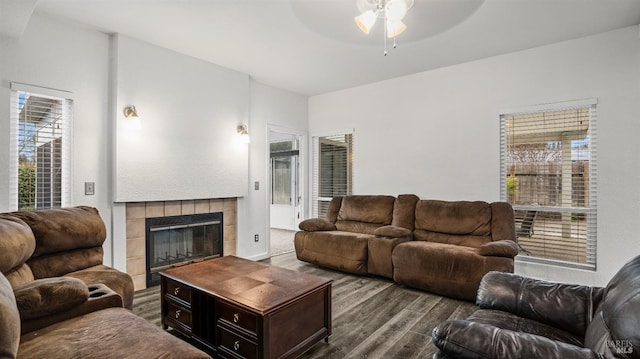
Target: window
{"type": "Point", "coordinates": [40, 148]}
{"type": "Point", "coordinates": [549, 176]}
{"type": "Point", "coordinates": [284, 172]}
{"type": "Point", "coordinates": [332, 170]}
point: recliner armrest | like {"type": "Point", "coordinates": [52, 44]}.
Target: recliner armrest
{"type": "Point", "coordinates": [466, 339]}
{"type": "Point", "coordinates": [565, 306]}
{"type": "Point", "coordinates": [392, 232]}
{"type": "Point", "coordinates": [502, 248]}
{"type": "Point", "coordinates": [316, 224]}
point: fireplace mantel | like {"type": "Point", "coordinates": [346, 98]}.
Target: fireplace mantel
{"type": "Point", "coordinates": [138, 212]}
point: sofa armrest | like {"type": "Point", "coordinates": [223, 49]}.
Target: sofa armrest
{"type": "Point", "coordinates": [503, 248]}
{"type": "Point", "coordinates": [100, 297]}
{"type": "Point", "coordinates": [316, 225]}
{"type": "Point", "coordinates": [392, 232]}
{"type": "Point", "coordinates": [465, 339]}
{"type": "Point", "coordinates": [565, 306]}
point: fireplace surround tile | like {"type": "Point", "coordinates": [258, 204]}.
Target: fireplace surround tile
{"type": "Point", "coordinates": [137, 212]}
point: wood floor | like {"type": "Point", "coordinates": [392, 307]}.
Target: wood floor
{"type": "Point", "coordinates": [372, 317]}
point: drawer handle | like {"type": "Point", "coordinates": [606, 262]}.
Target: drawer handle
{"type": "Point", "coordinates": [176, 291]}
{"type": "Point", "coordinates": [236, 317]}
{"type": "Point", "coordinates": [178, 312]}
{"type": "Point", "coordinates": [236, 345]}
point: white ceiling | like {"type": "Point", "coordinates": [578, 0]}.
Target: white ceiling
{"type": "Point", "coordinates": [313, 46]}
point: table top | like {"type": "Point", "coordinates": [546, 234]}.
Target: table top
{"type": "Point", "coordinates": [258, 286]}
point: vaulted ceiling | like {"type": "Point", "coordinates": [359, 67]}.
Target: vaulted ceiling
{"type": "Point", "coordinates": [313, 46]}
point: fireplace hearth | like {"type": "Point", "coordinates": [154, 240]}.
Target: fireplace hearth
{"type": "Point", "coordinates": [178, 240]}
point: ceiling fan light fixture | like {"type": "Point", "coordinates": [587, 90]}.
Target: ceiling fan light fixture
{"type": "Point", "coordinates": [366, 20]}
{"type": "Point", "coordinates": [395, 10]}
{"type": "Point", "coordinates": [395, 28]}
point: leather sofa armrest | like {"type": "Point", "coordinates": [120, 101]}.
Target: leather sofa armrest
{"type": "Point", "coordinates": [100, 297]}
{"type": "Point", "coordinates": [316, 224]}
{"type": "Point", "coordinates": [565, 306]}
{"type": "Point", "coordinates": [466, 339]}
{"type": "Point", "coordinates": [503, 248]}
{"type": "Point", "coordinates": [392, 232]}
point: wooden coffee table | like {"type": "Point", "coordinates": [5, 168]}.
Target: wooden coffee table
{"type": "Point", "coordinates": [244, 309]}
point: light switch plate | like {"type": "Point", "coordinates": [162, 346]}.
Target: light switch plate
{"type": "Point", "coordinates": [89, 188]}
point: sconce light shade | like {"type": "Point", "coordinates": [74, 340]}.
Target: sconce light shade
{"type": "Point", "coordinates": [244, 133]}
{"type": "Point", "coordinates": [130, 112]}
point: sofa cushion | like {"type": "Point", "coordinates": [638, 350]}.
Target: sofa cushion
{"type": "Point", "coordinates": [48, 296]}
{"type": "Point", "coordinates": [368, 209]}
{"type": "Point", "coordinates": [9, 320]}
{"type": "Point", "coordinates": [20, 276]}
{"type": "Point", "coordinates": [108, 333]}
{"type": "Point", "coordinates": [339, 250]}
{"type": "Point", "coordinates": [63, 229]}
{"type": "Point", "coordinates": [404, 211]}
{"type": "Point", "coordinates": [460, 217]}
{"type": "Point", "coordinates": [17, 244]}
{"type": "Point", "coordinates": [61, 263]}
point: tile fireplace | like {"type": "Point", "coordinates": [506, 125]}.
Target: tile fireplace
{"type": "Point", "coordinates": [137, 214]}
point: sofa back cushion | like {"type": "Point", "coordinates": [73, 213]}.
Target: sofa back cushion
{"type": "Point", "coordinates": [17, 244]}
{"type": "Point", "coordinates": [62, 229]}
{"type": "Point", "coordinates": [363, 214]}
{"type": "Point", "coordinates": [459, 222]}
{"type": "Point", "coordinates": [10, 320]}
{"type": "Point", "coordinates": [614, 328]}
{"type": "Point", "coordinates": [404, 211]}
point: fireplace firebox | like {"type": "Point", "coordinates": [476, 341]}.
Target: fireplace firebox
{"type": "Point", "coordinates": [178, 240]}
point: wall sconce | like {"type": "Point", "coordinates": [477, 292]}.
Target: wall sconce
{"type": "Point", "coordinates": [244, 133]}
{"type": "Point", "coordinates": [131, 114]}
{"type": "Point", "coordinates": [130, 111]}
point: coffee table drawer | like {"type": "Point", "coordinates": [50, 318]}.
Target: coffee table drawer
{"type": "Point", "coordinates": [178, 290]}
{"type": "Point", "coordinates": [233, 343]}
{"type": "Point", "coordinates": [238, 317]}
{"type": "Point", "coordinates": [179, 314]}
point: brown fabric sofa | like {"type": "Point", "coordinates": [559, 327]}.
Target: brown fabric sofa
{"type": "Point", "coordinates": [439, 246]}
{"type": "Point", "coordinates": [358, 235]}
{"type": "Point", "coordinates": [521, 317]}
{"type": "Point", "coordinates": [57, 299]}
{"type": "Point", "coordinates": [455, 244]}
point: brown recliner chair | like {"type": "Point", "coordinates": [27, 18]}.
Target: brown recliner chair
{"type": "Point", "coordinates": [522, 317]}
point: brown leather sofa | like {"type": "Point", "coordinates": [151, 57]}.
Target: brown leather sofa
{"type": "Point", "coordinates": [521, 317]}
{"type": "Point", "coordinates": [443, 247]}
{"type": "Point", "coordinates": [57, 299]}
{"type": "Point", "coordinates": [358, 234]}
{"type": "Point", "coordinates": [454, 245]}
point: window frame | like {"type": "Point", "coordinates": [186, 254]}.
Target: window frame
{"type": "Point", "coordinates": [67, 99]}
{"type": "Point", "coordinates": [590, 210]}
{"type": "Point", "coordinates": [315, 167]}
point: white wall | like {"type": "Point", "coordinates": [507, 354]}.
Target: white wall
{"type": "Point", "coordinates": [269, 107]}
{"type": "Point", "coordinates": [188, 146]}
{"type": "Point", "coordinates": [198, 102]}
{"type": "Point", "coordinates": [59, 56]}
{"type": "Point", "coordinates": [436, 133]}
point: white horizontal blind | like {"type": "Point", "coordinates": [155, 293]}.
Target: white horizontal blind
{"type": "Point", "coordinates": [332, 173]}
{"type": "Point", "coordinates": [549, 177]}
{"type": "Point", "coordinates": [41, 147]}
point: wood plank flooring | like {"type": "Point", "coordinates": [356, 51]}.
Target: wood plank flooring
{"type": "Point", "coordinates": [372, 317]}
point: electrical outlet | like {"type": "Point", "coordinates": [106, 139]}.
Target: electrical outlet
{"type": "Point", "coordinates": [256, 237]}
{"type": "Point", "coordinates": [89, 188]}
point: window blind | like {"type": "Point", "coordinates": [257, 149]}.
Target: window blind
{"type": "Point", "coordinates": [548, 176]}
{"type": "Point", "coordinates": [40, 138]}
{"type": "Point", "coordinates": [332, 173]}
